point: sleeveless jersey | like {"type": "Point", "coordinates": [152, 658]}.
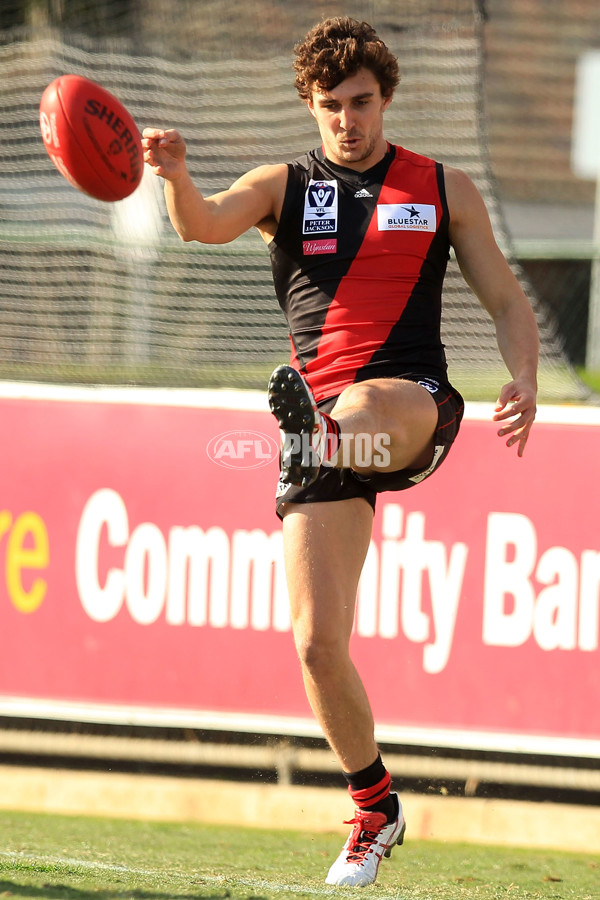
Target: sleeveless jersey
{"type": "Point", "coordinates": [358, 263]}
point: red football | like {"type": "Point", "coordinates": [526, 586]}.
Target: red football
{"type": "Point", "coordinates": [91, 138]}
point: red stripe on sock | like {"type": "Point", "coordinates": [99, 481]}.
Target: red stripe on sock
{"type": "Point", "coordinates": [371, 795]}
{"type": "Point", "coordinates": [333, 436]}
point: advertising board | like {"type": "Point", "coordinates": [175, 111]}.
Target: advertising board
{"type": "Point", "coordinates": [141, 575]}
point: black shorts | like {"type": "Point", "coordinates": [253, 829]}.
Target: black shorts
{"type": "Point", "coordinates": [342, 484]}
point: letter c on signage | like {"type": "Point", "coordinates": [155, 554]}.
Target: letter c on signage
{"type": "Point", "coordinates": [104, 508]}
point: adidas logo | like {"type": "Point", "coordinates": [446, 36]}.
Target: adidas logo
{"type": "Point", "coordinates": [363, 193]}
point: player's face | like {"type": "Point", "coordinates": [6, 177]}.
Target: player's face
{"type": "Point", "coordinates": [350, 119]}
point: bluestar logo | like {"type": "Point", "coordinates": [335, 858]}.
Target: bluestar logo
{"type": "Point", "coordinates": [397, 217]}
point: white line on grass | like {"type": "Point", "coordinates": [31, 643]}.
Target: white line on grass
{"type": "Point", "coordinates": [184, 876]}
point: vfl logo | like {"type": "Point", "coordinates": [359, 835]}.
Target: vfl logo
{"type": "Point", "coordinates": [412, 217]}
{"type": "Point", "coordinates": [321, 196]}
{"type": "Point", "coordinates": [320, 207]}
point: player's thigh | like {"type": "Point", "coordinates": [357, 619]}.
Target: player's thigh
{"type": "Point", "coordinates": [401, 410]}
{"type": "Point", "coordinates": [388, 397]}
{"type": "Point", "coordinates": [325, 545]}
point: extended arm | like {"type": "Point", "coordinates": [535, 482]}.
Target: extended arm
{"type": "Point", "coordinates": [487, 272]}
{"type": "Point", "coordinates": [254, 199]}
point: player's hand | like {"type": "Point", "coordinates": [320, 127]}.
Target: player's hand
{"type": "Point", "coordinates": [164, 152]}
{"type": "Point", "coordinates": [516, 409]}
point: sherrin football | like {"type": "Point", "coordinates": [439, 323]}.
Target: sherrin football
{"type": "Point", "coordinates": [91, 138]}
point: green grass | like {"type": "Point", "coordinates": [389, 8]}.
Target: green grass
{"type": "Point", "coordinates": [591, 379]}
{"type": "Point", "coordinates": [80, 858]}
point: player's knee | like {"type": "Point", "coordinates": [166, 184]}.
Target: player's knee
{"type": "Point", "coordinates": [320, 654]}
{"type": "Point", "coordinates": [363, 395]}
{"type": "Point", "coordinates": [377, 406]}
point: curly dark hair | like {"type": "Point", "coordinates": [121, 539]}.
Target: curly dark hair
{"type": "Point", "coordinates": [337, 48]}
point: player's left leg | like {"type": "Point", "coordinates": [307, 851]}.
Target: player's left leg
{"type": "Point", "coordinates": [324, 547]}
{"type": "Point", "coordinates": [325, 544]}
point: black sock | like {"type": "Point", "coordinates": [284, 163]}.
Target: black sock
{"type": "Point", "coordinates": [370, 789]}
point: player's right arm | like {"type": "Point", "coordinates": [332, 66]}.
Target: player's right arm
{"type": "Point", "coordinates": [255, 199]}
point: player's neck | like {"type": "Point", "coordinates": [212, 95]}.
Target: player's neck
{"type": "Point", "coordinates": [361, 165]}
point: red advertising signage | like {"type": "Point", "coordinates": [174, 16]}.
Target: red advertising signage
{"type": "Point", "coordinates": [141, 574]}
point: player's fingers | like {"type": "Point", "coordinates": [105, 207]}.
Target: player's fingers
{"type": "Point", "coordinates": [165, 139]}
{"type": "Point", "coordinates": [152, 134]}
{"type": "Point", "coordinates": [172, 135]}
{"type": "Point", "coordinates": [513, 405]}
{"type": "Point", "coordinates": [524, 420]}
{"type": "Point", "coordinates": [520, 438]}
{"type": "Point", "coordinates": [507, 411]}
{"type": "Point", "coordinates": [171, 140]}
{"type": "Point", "coordinates": [508, 392]}
{"type": "Point", "coordinates": [150, 159]}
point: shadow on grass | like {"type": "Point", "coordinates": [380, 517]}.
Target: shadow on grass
{"type": "Point", "coordinates": [57, 891]}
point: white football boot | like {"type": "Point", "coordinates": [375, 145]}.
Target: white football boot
{"type": "Point", "coordinates": [371, 838]}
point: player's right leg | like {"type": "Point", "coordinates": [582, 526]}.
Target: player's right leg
{"type": "Point", "coordinates": [306, 433]}
{"type": "Point", "coordinates": [397, 415]}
